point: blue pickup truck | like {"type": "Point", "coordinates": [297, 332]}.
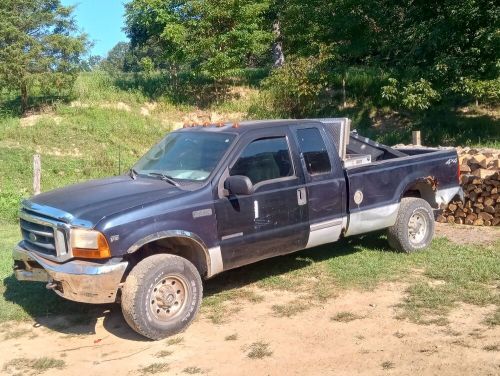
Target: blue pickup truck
{"type": "Point", "coordinates": [206, 199]}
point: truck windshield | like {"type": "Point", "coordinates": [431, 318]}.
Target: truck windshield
{"type": "Point", "coordinates": [185, 155]}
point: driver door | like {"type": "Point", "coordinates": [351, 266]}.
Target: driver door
{"type": "Point", "coordinates": [273, 220]}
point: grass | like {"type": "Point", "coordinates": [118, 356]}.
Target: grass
{"type": "Point", "coordinates": [291, 308]}
{"type": "Point", "coordinates": [163, 353]}
{"type": "Point", "coordinates": [95, 139]}
{"type": "Point", "coordinates": [387, 365]}
{"type": "Point", "coordinates": [174, 341]}
{"type": "Point", "coordinates": [154, 368]}
{"type": "Point", "coordinates": [345, 317]}
{"type": "Point", "coordinates": [192, 370]}
{"type": "Point", "coordinates": [467, 274]}
{"type": "Point", "coordinates": [231, 337]}
{"type": "Point", "coordinates": [33, 366]}
{"type": "Point", "coordinates": [259, 350]}
{"type": "Point", "coordinates": [491, 348]}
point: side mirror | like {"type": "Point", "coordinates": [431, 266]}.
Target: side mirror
{"type": "Point", "coordinates": [239, 185]}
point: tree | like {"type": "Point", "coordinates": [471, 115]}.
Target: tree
{"type": "Point", "coordinates": [213, 37]}
{"type": "Point", "coordinates": [118, 58]}
{"type": "Point", "coordinates": [39, 46]}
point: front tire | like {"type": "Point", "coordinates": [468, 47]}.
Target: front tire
{"type": "Point", "coordinates": [161, 296]}
{"type": "Point", "coordinates": [414, 227]}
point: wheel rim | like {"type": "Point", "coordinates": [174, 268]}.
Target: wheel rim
{"type": "Point", "coordinates": [168, 297]}
{"type": "Point", "coordinates": [417, 227]}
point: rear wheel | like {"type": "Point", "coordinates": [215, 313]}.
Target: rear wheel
{"type": "Point", "coordinates": [161, 296]}
{"type": "Point", "coordinates": [414, 227]}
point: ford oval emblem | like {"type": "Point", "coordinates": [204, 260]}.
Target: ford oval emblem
{"type": "Point", "coordinates": [32, 237]}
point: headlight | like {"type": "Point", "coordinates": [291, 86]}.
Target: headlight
{"type": "Point", "coordinates": [89, 244]}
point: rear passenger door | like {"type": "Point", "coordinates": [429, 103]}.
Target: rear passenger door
{"type": "Point", "coordinates": [325, 184]}
{"type": "Point", "coordinates": [273, 220]}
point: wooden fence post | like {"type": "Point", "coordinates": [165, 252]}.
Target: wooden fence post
{"type": "Point", "coordinates": [416, 140]}
{"type": "Point", "coordinates": [37, 173]}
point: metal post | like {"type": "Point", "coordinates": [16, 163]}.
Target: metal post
{"type": "Point", "coordinates": [37, 173]}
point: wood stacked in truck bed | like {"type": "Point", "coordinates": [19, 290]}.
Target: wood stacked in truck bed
{"type": "Point", "coordinates": [480, 180]}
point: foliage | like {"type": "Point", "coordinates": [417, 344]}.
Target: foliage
{"type": "Point", "coordinates": [39, 46]}
{"type": "Point", "coordinates": [417, 95]}
{"type": "Point", "coordinates": [481, 90]}
{"type": "Point", "coordinates": [216, 38]}
{"type": "Point", "coordinates": [119, 58]}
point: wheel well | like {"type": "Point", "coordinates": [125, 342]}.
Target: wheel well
{"type": "Point", "coordinates": [184, 247]}
{"type": "Point", "coordinates": [425, 190]}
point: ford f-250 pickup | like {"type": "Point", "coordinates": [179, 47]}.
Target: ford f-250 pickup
{"type": "Point", "coordinates": [206, 199]}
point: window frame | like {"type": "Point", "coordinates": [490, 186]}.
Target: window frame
{"type": "Point", "coordinates": [269, 181]}
{"type": "Point", "coordinates": [302, 157]}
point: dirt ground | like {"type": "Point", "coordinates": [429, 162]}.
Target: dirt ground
{"type": "Point", "coordinates": [354, 333]}
{"type": "Point", "coordinates": [463, 234]}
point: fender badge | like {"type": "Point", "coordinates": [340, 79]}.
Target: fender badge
{"type": "Point", "coordinates": [358, 197]}
{"type": "Point", "coordinates": [202, 213]}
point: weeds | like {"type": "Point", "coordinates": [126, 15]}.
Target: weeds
{"type": "Point", "coordinates": [174, 341]}
{"type": "Point", "coordinates": [259, 350]}
{"type": "Point", "coordinates": [387, 365]}
{"type": "Point", "coordinates": [192, 370]}
{"type": "Point", "coordinates": [33, 366]}
{"type": "Point", "coordinates": [291, 308]}
{"type": "Point", "coordinates": [346, 317]}
{"type": "Point", "coordinates": [232, 337]}
{"type": "Point", "coordinates": [154, 368]}
{"type": "Point", "coordinates": [163, 353]}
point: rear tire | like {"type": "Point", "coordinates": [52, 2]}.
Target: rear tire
{"type": "Point", "coordinates": [414, 227]}
{"type": "Point", "coordinates": [161, 296]}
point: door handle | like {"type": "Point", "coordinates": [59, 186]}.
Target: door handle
{"type": "Point", "coordinates": [301, 196]}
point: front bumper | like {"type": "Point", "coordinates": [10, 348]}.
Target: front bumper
{"type": "Point", "coordinates": [81, 281]}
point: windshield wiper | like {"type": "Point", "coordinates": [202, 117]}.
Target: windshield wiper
{"type": "Point", "coordinates": [132, 173]}
{"type": "Point", "coordinates": [165, 177]}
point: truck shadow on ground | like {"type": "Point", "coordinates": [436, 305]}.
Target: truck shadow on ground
{"type": "Point", "coordinates": [72, 319]}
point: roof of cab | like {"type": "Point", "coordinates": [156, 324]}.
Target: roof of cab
{"type": "Point", "coordinates": [241, 127]}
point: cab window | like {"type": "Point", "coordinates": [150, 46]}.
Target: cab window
{"type": "Point", "coordinates": [264, 159]}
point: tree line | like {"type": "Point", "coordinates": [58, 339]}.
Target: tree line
{"type": "Point", "coordinates": [410, 54]}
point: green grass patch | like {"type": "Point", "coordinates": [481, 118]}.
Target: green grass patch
{"type": "Point", "coordinates": [33, 366]}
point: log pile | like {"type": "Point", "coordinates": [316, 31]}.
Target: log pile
{"type": "Point", "coordinates": [480, 180]}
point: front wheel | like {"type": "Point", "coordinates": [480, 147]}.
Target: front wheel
{"type": "Point", "coordinates": [414, 227]}
{"type": "Point", "coordinates": [161, 296]}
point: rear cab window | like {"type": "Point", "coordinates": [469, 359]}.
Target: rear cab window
{"type": "Point", "coordinates": [313, 149]}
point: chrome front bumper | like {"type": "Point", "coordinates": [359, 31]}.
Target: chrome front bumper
{"type": "Point", "coordinates": [81, 281]}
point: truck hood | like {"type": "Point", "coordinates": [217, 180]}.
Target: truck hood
{"type": "Point", "coordinates": [93, 200]}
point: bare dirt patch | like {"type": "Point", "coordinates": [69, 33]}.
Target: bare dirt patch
{"type": "Point", "coordinates": [307, 343]}
{"type": "Point", "coordinates": [463, 234]}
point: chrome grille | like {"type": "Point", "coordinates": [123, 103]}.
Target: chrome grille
{"type": "Point", "coordinates": [44, 235]}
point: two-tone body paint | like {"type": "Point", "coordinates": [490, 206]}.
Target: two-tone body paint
{"type": "Point", "coordinates": [277, 219]}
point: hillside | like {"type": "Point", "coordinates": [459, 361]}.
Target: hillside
{"type": "Point", "coordinates": [105, 127]}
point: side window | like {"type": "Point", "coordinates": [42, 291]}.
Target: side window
{"type": "Point", "coordinates": [314, 150]}
{"type": "Point", "coordinates": [264, 159]}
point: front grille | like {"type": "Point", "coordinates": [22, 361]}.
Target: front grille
{"type": "Point", "coordinates": [43, 235]}
{"type": "Point", "coordinates": [38, 237]}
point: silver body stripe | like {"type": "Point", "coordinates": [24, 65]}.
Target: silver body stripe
{"type": "Point", "coordinates": [444, 196]}
{"type": "Point", "coordinates": [372, 219]}
{"type": "Point", "coordinates": [325, 232]}
{"type": "Point", "coordinates": [216, 265]}
{"type": "Point", "coordinates": [230, 236]}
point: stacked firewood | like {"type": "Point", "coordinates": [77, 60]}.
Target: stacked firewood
{"type": "Point", "coordinates": [480, 179]}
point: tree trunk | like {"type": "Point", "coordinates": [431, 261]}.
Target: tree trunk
{"type": "Point", "coordinates": [278, 55]}
{"type": "Point", "coordinates": [24, 97]}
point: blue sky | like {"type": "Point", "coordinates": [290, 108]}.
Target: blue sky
{"type": "Point", "coordinates": [102, 20]}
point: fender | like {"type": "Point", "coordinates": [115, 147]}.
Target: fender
{"type": "Point", "coordinates": [213, 257]}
